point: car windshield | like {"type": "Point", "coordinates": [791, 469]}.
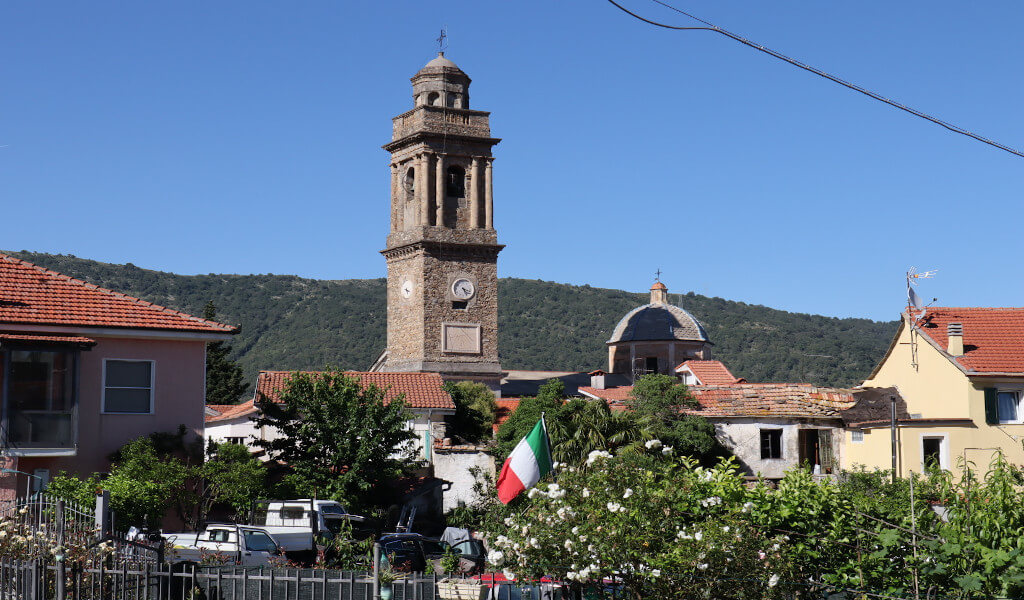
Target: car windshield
{"type": "Point", "coordinates": [469, 548]}
{"type": "Point", "coordinates": [432, 547]}
{"type": "Point", "coordinates": [332, 509]}
{"type": "Point", "coordinates": [400, 546]}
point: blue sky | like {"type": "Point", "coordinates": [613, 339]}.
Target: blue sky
{"type": "Point", "coordinates": [244, 137]}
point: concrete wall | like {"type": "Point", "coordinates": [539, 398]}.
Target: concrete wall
{"type": "Point", "coordinates": [454, 466]}
{"type": "Point", "coordinates": [743, 438]}
{"type": "Point", "coordinates": [936, 389]}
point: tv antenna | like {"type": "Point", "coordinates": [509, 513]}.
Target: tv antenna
{"type": "Point", "coordinates": [914, 302]}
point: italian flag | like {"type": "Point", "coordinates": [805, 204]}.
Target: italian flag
{"type": "Point", "coordinates": [530, 461]}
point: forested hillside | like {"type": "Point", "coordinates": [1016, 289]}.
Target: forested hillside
{"type": "Point", "coordinates": [293, 323]}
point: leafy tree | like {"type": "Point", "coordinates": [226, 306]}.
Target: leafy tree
{"type": "Point", "coordinates": [143, 485]}
{"type": "Point", "coordinates": [474, 409]}
{"type": "Point", "coordinates": [658, 402]}
{"type": "Point", "coordinates": [660, 395]}
{"type": "Point", "coordinates": [230, 475]}
{"type": "Point", "coordinates": [150, 477]}
{"type": "Point", "coordinates": [225, 380]}
{"type": "Point", "coordinates": [337, 438]}
{"type": "Point", "coordinates": [549, 400]}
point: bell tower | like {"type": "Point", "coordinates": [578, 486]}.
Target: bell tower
{"type": "Point", "coordinates": [442, 251]}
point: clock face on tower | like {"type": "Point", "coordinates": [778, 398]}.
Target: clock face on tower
{"type": "Point", "coordinates": [407, 288]}
{"type": "Point", "coordinates": [463, 289]}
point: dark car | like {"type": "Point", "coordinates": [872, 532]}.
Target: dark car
{"type": "Point", "coordinates": [411, 552]}
{"type": "Point", "coordinates": [473, 556]}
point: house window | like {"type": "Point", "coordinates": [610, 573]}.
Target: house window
{"type": "Point", "coordinates": [235, 440]}
{"type": "Point", "coordinates": [934, 452]}
{"type": "Point", "coordinates": [771, 443]}
{"type": "Point", "coordinates": [857, 435]}
{"type": "Point", "coordinates": [1008, 404]}
{"type": "Point", "coordinates": [40, 399]}
{"type": "Point", "coordinates": [128, 386]}
{"type": "Point", "coordinates": [651, 364]}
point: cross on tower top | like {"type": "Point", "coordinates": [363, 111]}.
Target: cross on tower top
{"type": "Point", "coordinates": [442, 41]}
{"type": "Point", "coordinates": [657, 275]}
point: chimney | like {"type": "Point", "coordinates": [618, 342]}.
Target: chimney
{"type": "Point", "coordinates": [659, 293]}
{"type": "Point", "coordinates": [597, 379]}
{"type": "Point", "coordinates": [955, 332]}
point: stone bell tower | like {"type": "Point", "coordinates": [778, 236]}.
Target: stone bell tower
{"type": "Point", "coordinates": [442, 251]}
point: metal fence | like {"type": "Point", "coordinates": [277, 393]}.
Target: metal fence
{"type": "Point", "coordinates": [24, 580]}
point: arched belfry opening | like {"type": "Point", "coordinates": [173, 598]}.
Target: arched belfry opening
{"type": "Point", "coordinates": [410, 182]}
{"type": "Point", "coordinates": [433, 99]}
{"type": "Point", "coordinates": [456, 187]}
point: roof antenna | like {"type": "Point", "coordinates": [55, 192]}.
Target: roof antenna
{"type": "Point", "coordinates": [442, 40]}
{"type": "Point", "coordinates": [914, 302]}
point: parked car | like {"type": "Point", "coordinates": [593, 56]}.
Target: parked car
{"type": "Point", "coordinates": [296, 524]}
{"type": "Point", "coordinates": [238, 544]}
{"type": "Point", "coordinates": [473, 555]}
{"type": "Point", "coordinates": [411, 552]}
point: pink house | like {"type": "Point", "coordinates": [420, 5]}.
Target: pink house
{"type": "Point", "coordinates": [83, 370]}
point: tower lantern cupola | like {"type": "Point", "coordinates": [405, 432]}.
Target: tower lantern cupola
{"type": "Point", "coordinates": [441, 83]}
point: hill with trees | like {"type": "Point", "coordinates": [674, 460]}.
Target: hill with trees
{"type": "Point", "coordinates": [289, 322]}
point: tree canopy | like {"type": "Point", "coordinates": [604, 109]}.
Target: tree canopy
{"type": "Point", "coordinates": [225, 379]}
{"type": "Point", "coordinates": [337, 438]}
{"type": "Point", "coordinates": [474, 410]}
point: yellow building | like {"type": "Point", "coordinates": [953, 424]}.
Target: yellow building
{"type": "Point", "coordinates": [960, 372]}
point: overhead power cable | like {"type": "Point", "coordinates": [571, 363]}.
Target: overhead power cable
{"type": "Point", "coordinates": [712, 27]}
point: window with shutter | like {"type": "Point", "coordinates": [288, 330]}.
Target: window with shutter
{"type": "Point", "coordinates": [991, 406]}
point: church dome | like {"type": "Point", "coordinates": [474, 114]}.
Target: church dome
{"type": "Point", "coordinates": [440, 62]}
{"type": "Point", "coordinates": [657, 321]}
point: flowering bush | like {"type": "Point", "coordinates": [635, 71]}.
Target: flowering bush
{"type": "Point", "coordinates": [658, 524]}
{"type": "Point", "coordinates": [663, 526]}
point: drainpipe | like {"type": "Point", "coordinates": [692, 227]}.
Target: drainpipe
{"type": "Point", "coordinates": [892, 427]}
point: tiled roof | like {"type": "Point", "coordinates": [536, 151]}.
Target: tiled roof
{"type": "Point", "coordinates": [619, 393]}
{"type": "Point", "coordinates": [993, 337]}
{"type": "Point", "coordinates": [772, 400]}
{"type": "Point", "coordinates": [505, 408]}
{"type": "Point", "coordinates": [43, 338]}
{"type": "Point", "coordinates": [422, 390]}
{"type": "Point", "coordinates": [709, 372]}
{"type": "Point", "coordinates": [33, 295]}
{"type": "Point", "coordinates": [226, 412]}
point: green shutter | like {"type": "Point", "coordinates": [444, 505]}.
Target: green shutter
{"type": "Point", "coordinates": [825, 449]}
{"type": "Point", "coordinates": [991, 406]}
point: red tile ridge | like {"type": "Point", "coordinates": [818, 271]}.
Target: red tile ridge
{"type": "Point", "coordinates": [210, 324]}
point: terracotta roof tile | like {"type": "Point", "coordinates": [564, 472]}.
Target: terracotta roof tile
{"type": "Point", "coordinates": [505, 408]}
{"type": "Point", "coordinates": [771, 400]}
{"type": "Point", "coordinates": [44, 338]}
{"type": "Point", "coordinates": [30, 294]}
{"type": "Point", "coordinates": [709, 372]}
{"type": "Point", "coordinates": [422, 390]}
{"type": "Point", "coordinates": [226, 412]}
{"type": "Point", "coordinates": [993, 337]}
